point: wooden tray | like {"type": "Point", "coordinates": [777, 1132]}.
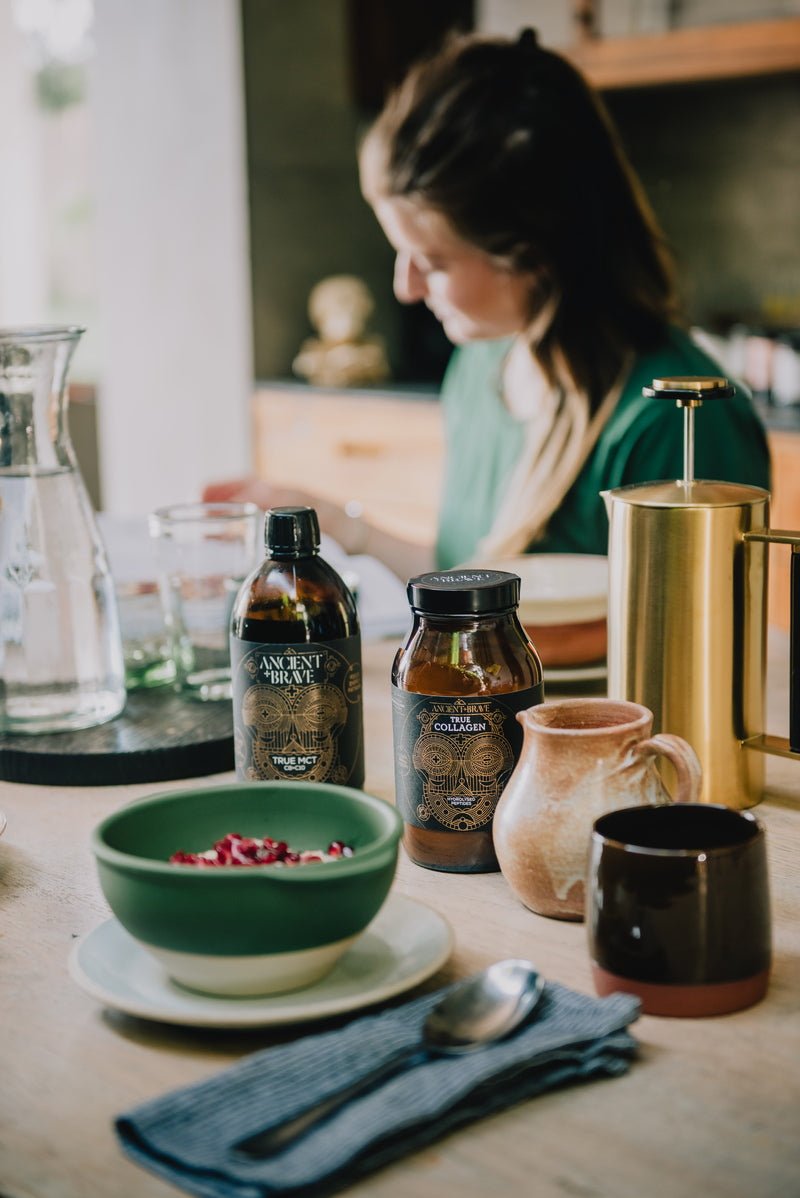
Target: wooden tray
{"type": "Point", "coordinates": [159, 736]}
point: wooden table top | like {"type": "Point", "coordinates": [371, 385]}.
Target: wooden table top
{"type": "Point", "coordinates": [711, 1106]}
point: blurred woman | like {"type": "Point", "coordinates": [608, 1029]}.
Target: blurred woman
{"type": "Point", "coordinates": [499, 180]}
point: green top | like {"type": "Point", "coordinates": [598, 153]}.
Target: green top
{"type": "Point", "coordinates": [641, 441]}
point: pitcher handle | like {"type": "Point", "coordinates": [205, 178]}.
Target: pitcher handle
{"type": "Point", "coordinates": [688, 772]}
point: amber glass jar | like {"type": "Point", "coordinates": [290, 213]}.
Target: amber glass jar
{"type": "Point", "coordinates": [296, 662]}
{"type": "Point", "coordinates": [466, 670]}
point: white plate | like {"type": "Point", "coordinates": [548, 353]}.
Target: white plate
{"type": "Point", "coordinates": [596, 673]}
{"type": "Point", "coordinates": [404, 945]}
{"type": "Point", "coordinates": [559, 588]}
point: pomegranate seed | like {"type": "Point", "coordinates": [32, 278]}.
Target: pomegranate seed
{"type": "Point", "coordinates": [236, 850]}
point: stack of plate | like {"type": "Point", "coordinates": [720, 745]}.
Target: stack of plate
{"type": "Point", "coordinates": [563, 607]}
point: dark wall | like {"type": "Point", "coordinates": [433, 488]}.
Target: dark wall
{"type": "Point", "coordinates": [721, 165]}
{"type": "Point", "coordinates": [315, 73]}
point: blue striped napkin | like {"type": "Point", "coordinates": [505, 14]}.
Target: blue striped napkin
{"type": "Point", "coordinates": [187, 1136]}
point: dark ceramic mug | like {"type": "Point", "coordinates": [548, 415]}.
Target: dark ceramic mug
{"type": "Point", "coordinates": [678, 908]}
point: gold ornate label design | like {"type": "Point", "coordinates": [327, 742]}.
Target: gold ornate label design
{"type": "Point", "coordinates": [453, 756]}
{"type": "Point", "coordinates": [297, 711]}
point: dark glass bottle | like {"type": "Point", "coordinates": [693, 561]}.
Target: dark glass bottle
{"type": "Point", "coordinates": [296, 662]}
{"type": "Point", "coordinates": [466, 670]}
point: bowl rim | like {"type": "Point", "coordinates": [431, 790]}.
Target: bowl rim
{"type": "Point", "coordinates": [344, 867]}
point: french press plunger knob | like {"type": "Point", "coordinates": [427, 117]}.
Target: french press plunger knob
{"type": "Point", "coordinates": [689, 393]}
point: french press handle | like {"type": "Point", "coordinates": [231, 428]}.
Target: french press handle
{"type": "Point", "coordinates": [778, 745]}
{"type": "Point", "coordinates": [688, 393]}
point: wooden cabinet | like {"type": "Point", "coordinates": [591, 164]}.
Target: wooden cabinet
{"type": "Point", "coordinates": [386, 452]}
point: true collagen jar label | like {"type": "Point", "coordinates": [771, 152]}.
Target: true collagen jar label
{"type": "Point", "coordinates": [453, 756]}
{"type": "Point", "coordinates": [297, 711]}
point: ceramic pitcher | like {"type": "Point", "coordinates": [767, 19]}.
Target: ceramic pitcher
{"type": "Point", "coordinates": [580, 759]}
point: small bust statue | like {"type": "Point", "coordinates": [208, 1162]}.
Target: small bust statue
{"type": "Point", "coordinates": [343, 355]}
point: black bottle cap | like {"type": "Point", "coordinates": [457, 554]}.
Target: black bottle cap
{"type": "Point", "coordinates": [464, 592]}
{"type": "Point", "coordinates": [291, 532]}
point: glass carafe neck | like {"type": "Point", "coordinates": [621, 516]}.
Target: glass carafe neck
{"type": "Point", "coordinates": [34, 430]}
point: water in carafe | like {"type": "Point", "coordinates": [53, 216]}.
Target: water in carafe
{"type": "Point", "coordinates": [61, 664]}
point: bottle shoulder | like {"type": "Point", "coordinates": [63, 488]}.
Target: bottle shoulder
{"type": "Point", "coordinates": [477, 658]}
{"type": "Point", "coordinates": [302, 599]}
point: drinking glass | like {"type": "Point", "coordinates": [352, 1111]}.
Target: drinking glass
{"type": "Point", "coordinates": [146, 652]}
{"type": "Point", "coordinates": [204, 551]}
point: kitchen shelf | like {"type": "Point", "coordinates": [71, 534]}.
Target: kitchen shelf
{"type": "Point", "coordinates": [690, 55]}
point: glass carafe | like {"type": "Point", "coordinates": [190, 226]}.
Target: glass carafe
{"type": "Point", "coordinates": [61, 664]}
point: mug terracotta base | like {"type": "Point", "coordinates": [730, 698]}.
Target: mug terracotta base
{"type": "Point", "coordinates": [689, 1002]}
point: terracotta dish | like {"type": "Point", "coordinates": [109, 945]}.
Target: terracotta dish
{"type": "Point", "coordinates": [563, 605]}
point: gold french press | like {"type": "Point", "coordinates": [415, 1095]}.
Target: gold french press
{"type": "Point", "coordinates": [687, 621]}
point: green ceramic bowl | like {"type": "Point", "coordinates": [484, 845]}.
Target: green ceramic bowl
{"type": "Point", "coordinates": [248, 930]}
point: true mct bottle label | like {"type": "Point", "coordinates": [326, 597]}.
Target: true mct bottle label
{"type": "Point", "coordinates": [297, 711]}
{"type": "Point", "coordinates": [454, 755]}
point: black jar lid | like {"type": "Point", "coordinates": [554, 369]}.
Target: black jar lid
{"type": "Point", "coordinates": [463, 592]}
{"type": "Point", "coordinates": [291, 532]}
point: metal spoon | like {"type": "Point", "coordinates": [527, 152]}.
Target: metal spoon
{"type": "Point", "coordinates": [474, 1012]}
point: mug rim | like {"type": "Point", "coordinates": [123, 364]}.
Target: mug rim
{"type": "Point", "coordinates": [637, 721]}
{"type": "Point", "coordinates": [629, 846]}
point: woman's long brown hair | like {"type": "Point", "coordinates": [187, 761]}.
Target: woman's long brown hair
{"type": "Point", "coordinates": [511, 145]}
